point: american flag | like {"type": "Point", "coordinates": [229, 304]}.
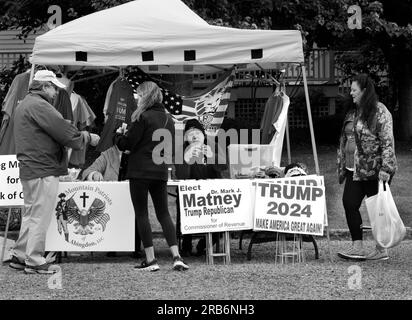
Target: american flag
{"type": "Point", "coordinates": [209, 107]}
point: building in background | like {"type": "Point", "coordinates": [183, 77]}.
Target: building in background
{"type": "Point", "coordinates": [251, 89]}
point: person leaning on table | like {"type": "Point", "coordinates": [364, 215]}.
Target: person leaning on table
{"type": "Point", "coordinates": [366, 155]}
{"type": "Point", "coordinates": [41, 135]}
{"type": "Point", "coordinates": [146, 176]}
{"type": "Point", "coordinates": [108, 167]}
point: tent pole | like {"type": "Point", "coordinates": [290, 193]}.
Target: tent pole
{"type": "Point", "coordinates": [31, 74]}
{"type": "Point", "coordinates": [287, 140]}
{"type": "Point", "coordinates": [312, 134]}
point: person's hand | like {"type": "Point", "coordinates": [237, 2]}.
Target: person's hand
{"type": "Point", "coordinates": [384, 176]}
{"type": "Point", "coordinates": [94, 139]}
{"type": "Point", "coordinates": [192, 152]}
{"type": "Point", "coordinates": [122, 129]}
{"type": "Point", "coordinates": [207, 151]}
{"type": "Point", "coordinates": [97, 176]}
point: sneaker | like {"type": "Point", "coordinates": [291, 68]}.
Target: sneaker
{"type": "Point", "coordinates": [353, 254]}
{"type": "Point", "coordinates": [16, 264]}
{"type": "Point", "coordinates": [152, 266]}
{"type": "Point", "coordinates": [179, 264]}
{"type": "Point", "coordinates": [45, 268]}
{"type": "Point", "coordinates": [378, 255]}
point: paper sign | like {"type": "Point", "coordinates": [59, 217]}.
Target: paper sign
{"type": "Point", "coordinates": [96, 216]}
{"type": "Point", "coordinates": [11, 190]}
{"type": "Point", "coordinates": [215, 205]}
{"type": "Point", "coordinates": [290, 206]}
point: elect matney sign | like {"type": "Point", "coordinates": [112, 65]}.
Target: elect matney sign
{"type": "Point", "coordinates": [215, 205]}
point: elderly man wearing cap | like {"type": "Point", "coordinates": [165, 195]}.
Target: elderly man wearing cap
{"type": "Point", "coordinates": [41, 134]}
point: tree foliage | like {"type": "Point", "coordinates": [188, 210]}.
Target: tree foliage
{"type": "Point", "coordinates": [383, 45]}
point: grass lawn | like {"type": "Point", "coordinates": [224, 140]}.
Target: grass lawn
{"type": "Point", "coordinates": [99, 277]}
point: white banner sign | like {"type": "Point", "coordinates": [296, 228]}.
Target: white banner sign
{"type": "Point", "coordinates": [11, 191]}
{"type": "Point", "coordinates": [290, 205]}
{"type": "Point", "coordinates": [92, 216]}
{"type": "Point", "coordinates": [215, 205]}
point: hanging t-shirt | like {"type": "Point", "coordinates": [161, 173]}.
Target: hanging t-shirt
{"type": "Point", "coordinates": [119, 109]}
{"type": "Point", "coordinates": [280, 128]}
{"type": "Point", "coordinates": [63, 105]}
{"type": "Point", "coordinates": [16, 93]}
{"type": "Point", "coordinates": [273, 108]}
{"type": "Point", "coordinates": [83, 116]}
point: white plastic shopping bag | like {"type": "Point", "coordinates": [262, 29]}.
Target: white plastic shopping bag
{"type": "Point", "coordinates": [387, 226]}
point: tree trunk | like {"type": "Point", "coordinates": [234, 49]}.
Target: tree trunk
{"type": "Point", "coordinates": [405, 102]}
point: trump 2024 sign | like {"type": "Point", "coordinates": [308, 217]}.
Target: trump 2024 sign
{"type": "Point", "coordinates": [290, 206]}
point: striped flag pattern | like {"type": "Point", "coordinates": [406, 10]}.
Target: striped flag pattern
{"type": "Point", "coordinates": [209, 108]}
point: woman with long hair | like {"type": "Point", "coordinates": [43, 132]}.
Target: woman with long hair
{"type": "Point", "coordinates": [366, 155]}
{"type": "Point", "coordinates": [146, 175]}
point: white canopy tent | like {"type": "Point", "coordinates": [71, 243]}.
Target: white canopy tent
{"type": "Point", "coordinates": [166, 36]}
{"type": "Point", "coordinates": [165, 33]}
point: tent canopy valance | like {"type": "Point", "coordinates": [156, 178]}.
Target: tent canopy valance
{"type": "Point", "coordinates": [163, 36]}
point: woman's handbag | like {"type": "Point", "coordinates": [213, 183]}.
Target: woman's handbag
{"type": "Point", "coordinates": [387, 226]}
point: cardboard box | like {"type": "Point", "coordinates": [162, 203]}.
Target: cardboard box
{"type": "Point", "coordinates": [245, 160]}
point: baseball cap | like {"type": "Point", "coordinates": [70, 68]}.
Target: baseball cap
{"type": "Point", "coordinates": [46, 75]}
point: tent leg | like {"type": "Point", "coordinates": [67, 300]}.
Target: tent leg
{"type": "Point", "coordinates": [5, 236]}
{"type": "Point", "coordinates": [312, 134]}
{"type": "Point", "coordinates": [31, 74]}
{"type": "Point", "coordinates": [328, 241]}
{"type": "Point", "coordinates": [288, 140]}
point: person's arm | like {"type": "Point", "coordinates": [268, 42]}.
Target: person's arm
{"type": "Point", "coordinates": [99, 165]}
{"type": "Point", "coordinates": [66, 134]}
{"type": "Point", "coordinates": [385, 134]}
{"type": "Point", "coordinates": [133, 136]}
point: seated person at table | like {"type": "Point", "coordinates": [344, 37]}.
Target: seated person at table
{"type": "Point", "coordinates": [110, 166]}
{"type": "Point", "coordinates": [195, 167]}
